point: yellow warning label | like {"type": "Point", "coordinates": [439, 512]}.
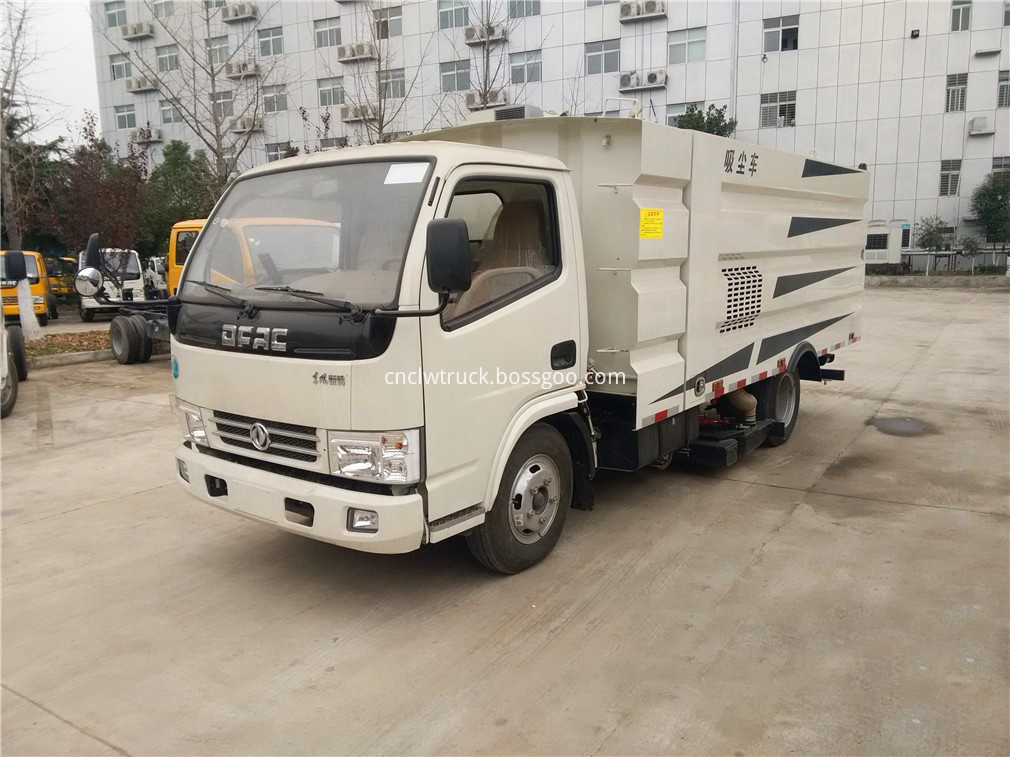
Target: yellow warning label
{"type": "Point", "coordinates": [650, 225]}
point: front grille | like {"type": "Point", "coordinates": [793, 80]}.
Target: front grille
{"type": "Point", "coordinates": [10, 300]}
{"type": "Point", "coordinates": [287, 440]}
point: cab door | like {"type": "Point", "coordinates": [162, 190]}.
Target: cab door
{"type": "Point", "coordinates": [497, 347]}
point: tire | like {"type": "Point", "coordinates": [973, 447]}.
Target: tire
{"type": "Point", "coordinates": [123, 340]}
{"type": "Point", "coordinates": [9, 397]}
{"type": "Point", "coordinates": [87, 315]}
{"type": "Point", "coordinates": [541, 460]}
{"type": "Point", "coordinates": [779, 400]}
{"type": "Point", "coordinates": [16, 344]}
{"type": "Point", "coordinates": [43, 319]}
{"type": "Point", "coordinates": [54, 308]}
{"type": "Point", "coordinates": [146, 343]}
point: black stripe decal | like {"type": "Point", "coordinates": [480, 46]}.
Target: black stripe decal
{"type": "Point", "coordinates": [817, 168]}
{"type": "Point", "coordinates": [794, 281]}
{"type": "Point", "coordinates": [738, 361]}
{"type": "Point", "coordinates": [773, 345]}
{"type": "Point", "coordinates": [802, 225]}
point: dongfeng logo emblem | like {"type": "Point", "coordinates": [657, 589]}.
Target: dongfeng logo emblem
{"type": "Point", "coordinates": [260, 437]}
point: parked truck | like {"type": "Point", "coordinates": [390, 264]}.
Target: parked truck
{"type": "Point", "coordinates": [386, 346]}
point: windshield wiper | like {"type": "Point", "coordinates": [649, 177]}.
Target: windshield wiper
{"type": "Point", "coordinates": [248, 309]}
{"type": "Point", "coordinates": [356, 311]}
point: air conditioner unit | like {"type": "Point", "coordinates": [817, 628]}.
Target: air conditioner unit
{"type": "Point", "coordinates": [629, 9]}
{"type": "Point", "coordinates": [364, 112]}
{"type": "Point", "coordinates": [653, 8]}
{"type": "Point", "coordinates": [359, 51]}
{"type": "Point", "coordinates": [629, 80]}
{"type": "Point", "coordinates": [979, 126]}
{"type": "Point", "coordinates": [239, 12]}
{"type": "Point", "coordinates": [508, 113]}
{"type": "Point", "coordinates": [241, 69]}
{"type": "Point", "coordinates": [137, 84]}
{"type": "Point", "coordinates": [146, 135]}
{"type": "Point", "coordinates": [495, 98]}
{"type": "Point", "coordinates": [245, 124]}
{"type": "Point", "coordinates": [484, 34]}
{"type": "Point", "coordinates": [139, 30]}
{"type": "Point", "coordinates": [656, 78]}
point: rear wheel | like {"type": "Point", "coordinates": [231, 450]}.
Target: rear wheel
{"type": "Point", "coordinates": [146, 342]}
{"type": "Point", "coordinates": [779, 400]}
{"type": "Point", "coordinates": [16, 344]}
{"type": "Point", "coordinates": [9, 396]}
{"type": "Point", "coordinates": [529, 512]}
{"type": "Point", "coordinates": [54, 307]}
{"type": "Point", "coordinates": [123, 340]}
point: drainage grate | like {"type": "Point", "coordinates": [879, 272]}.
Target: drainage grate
{"type": "Point", "coordinates": [743, 297]}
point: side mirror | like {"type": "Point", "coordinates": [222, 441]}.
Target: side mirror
{"type": "Point", "coordinates": [89, 281]}
{"type": "Point", "coordinates": [15, 269]}
{"type": "Point", "coordinates": [93, 255]}
{"type": "Point", "coordinates": [448, 254]}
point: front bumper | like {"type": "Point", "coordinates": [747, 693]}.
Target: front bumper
{"type": "Point", "coordinates": [260, 495]}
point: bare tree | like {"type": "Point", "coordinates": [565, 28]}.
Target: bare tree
{"type": "Point", "coordinates": [214, 88]}
{"type": "Point", "coordinates": [490, 74]}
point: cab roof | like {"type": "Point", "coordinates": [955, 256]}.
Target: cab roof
{"type": "Point", "coordinates": [446, 155]}
{"type": "Point", "coordinates": [191, 222]}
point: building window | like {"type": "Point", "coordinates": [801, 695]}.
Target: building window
{"type": "Point", "coordinates": [167, 57]}
{"type": "Point", "coordinates": [210, 4]}
{"type": "Point", "coordinates": [778, 109]}
{"type": "Point", "coordinates": [392, 83]}
{"type": "Point", "coordinates": [218, 51]}
{"type": "Point", "coordinates": [275, 98]}
{"type": "Point", "coordinates": [1006, 13]}
{"type": "Point", "coordinates": [960, 15]}
{"type": "Point", "coordinates": [271, 41]}
{"type": "Point", "coordinates": [782, 33]}
{"type": "Point", "coordinates": [331, 91]}
{"type": "Point", "coordinates": [686, 45]}
{"type": "Point", "coordinates": [163, 8]}
{"type": "Point", "coordinates": [455, 76]}
{"type": "Point", "coordinates": [591, 3]}
{"type": "Point", "coordinates": [673, 112]}
{"type": "Point", "coordinates": [906, 237]}
{"type": "Point", "coordinates": [327, 32]}
{"type": "Point", "coordinates": [120, 66]}
{"type": "Point", "coordinates": [330, 143]}
{"type": "Point", "coordinates": [169, 113]}
{"type": "Point", "coordinates": [1001, 164]}
{"type": "Point", "coordinates": [950, 177]}
{"type": "Point", "coordinates": [277, 150]}
{"type": "Point", "coordinates": [221, 104]}
{"type": "Point", "coordinates": [524, 8]}
{"type": "Point", "coordinates": [126, 118]}
{"type": "Point", "coordinates": [957, 89]}
{"type": "Point", "coordinates": [115, 13]}
{"type": "Point", "coordinates": [1003, 90]}
{"type": "Point", "coordinates": [388, 22]}
{"type": "Point", "coordinates": [603, 57]}
{"type": "Point", "coordinates": [876, 242]}
{"type": "Point", "coordinates": [525, 67]}
{"type": "Point", "coordinates": [453, 13]}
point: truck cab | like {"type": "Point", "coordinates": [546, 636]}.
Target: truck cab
{"type": "Point", "coordinates": [386, 346]}
{"type": "Point", "coordinates": [124, 285]}
{"type": "Point", "coordinates": [43, 299]}
{"type": "Point", "coordinates": [180, 242]}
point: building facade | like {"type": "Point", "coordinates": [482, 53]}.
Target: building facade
{"type": "Point", "coordinates": [918, 91]}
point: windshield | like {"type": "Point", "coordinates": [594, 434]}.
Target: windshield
{"type": "Point", "coordinates": [339, 230]}
{"type": "Point", "coordinates": [124, 264]}
{"type": "Point", "coordinates": [31, 267]}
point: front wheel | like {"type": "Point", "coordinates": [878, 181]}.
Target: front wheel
{"type": "Point", "coordinates": [9, 396]}
{"type": "Point", "coordinates": [87, 315]}
{"type": "Point", "coordinates": [779, 400]}
{"type": "Point", "coordinates": [527, 516]}
{"type": "Point", "coordinates": [43, 319]}
{"type": "Point", "coordinates": [54, 308]}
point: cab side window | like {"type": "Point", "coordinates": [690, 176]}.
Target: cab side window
{"type": "Point", "coordinates": [183, 244]}
{"type": "Point", "coordinates": [513, 233]}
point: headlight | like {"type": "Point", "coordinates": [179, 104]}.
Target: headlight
{"type": "Point", "coordinates": [392, 457]}
{"type": "Point", "coordinates": [191, 420]}
{"type": "Point", "coordinates": [38, 299]}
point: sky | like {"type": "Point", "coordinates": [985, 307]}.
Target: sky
{"type": "Point", "coordinates": [64, 76]}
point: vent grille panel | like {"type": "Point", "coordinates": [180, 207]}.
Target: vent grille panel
{"type": "Point", "coordinates": [287, 440]}
{"type": "Point", "coordinates": [744, 286]}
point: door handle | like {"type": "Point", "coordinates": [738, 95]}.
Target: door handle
{"type": "Point", "coordinates": [563, 355]}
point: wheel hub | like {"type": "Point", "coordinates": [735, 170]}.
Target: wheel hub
{"type": "Point", "coordinates": [534, 498]}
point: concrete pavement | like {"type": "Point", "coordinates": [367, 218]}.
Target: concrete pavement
{"type": "Point", "coordinates": [846, 593]}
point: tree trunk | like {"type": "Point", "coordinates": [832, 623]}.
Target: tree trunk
{"type": "Point", "coordinates": [10, 215]}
